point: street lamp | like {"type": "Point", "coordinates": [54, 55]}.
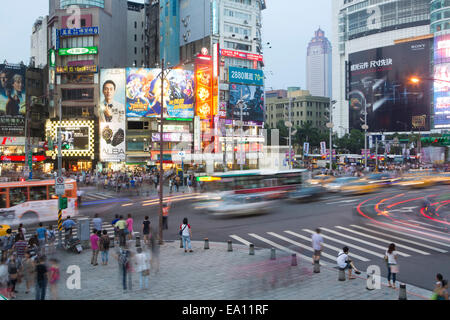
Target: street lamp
{"type": "Point", "coordinates": [330, 125]}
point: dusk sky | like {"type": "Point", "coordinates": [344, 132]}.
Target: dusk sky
{"type": "Point", "coordinates": [287, 24]}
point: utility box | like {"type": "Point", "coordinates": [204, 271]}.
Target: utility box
{"type": "Point", "coordinates": [84, 232]}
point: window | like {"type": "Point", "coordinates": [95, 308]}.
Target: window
{"type": "Point", "coordinates": [2, 199]}
{"type": "Point", "coordinates": [135, 50]}
{"type": "Point", "coordinates": [38, 193]}
{"type": "Point", "coordinates": [83, 22]}
{"type": "Point", "coordinates": [135, 25]}
{"type": "Point", "coordinates": [78, 94]}
{"type": "Point", "coordinates": [135, 125]}
{"type": "Point", "coordinates": [51, 192]}
{"type": "Point", "coordinates": [18, 196]}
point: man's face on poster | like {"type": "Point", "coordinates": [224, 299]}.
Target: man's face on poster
{"type": "Point", "coordinates": [3, 79]}
{"type": "Point", "coordinates": [17, 85]}
{"type": "Point", "coordinates": [108, 92]}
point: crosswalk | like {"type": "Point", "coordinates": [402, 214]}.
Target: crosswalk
{"type": "Point", "coordinates": [367, 242]}
{"type": "Point", "coordinates": [97, 196]}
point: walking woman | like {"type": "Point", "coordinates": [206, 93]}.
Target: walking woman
{"type": "Point", "coordinates": [186, 233]}
{"type": "Point", "coordinates": [391, 259]}
{"type": "Point", "coordinates": [54, 278]}
{"type": "Point", "coordinates": [130, 227]}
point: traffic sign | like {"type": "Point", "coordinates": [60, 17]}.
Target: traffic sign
{"type": "Point", "coordinates": [59, 186]}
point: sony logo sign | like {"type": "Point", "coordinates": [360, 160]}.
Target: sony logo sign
{"type": "Point", "coordinates": [420, 46]}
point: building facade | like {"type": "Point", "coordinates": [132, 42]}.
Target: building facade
{"type": "Point", "coordinates": [318, 65]}
{"type": "Point", "coordinates": [136, 34]}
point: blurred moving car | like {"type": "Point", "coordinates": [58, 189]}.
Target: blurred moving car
{"type": "Point", "coordinates": [381, 179]}
{"type": "Point", "coordinates": [416, 181]}
{"type": "Point", "coordinates": [443, 178]}
{"type": "Point", "coordinates": [306, 192]}
{"type": "Point", "coordinates": [359, 187]}
{"type": "Point", "coordinates": [321, 179]}
{"type": "Point", "coordinates": [336, 185]}
{"type": "Point", "coordinates": [241, 205]}
{"type": "Point", "coordinates": [3, 228]}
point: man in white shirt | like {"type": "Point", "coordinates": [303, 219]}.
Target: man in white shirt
{"type": "Point", "coordinates": [317, 244]}
{"type": "Point", "coordinates": [109, 109]}
{"type": "Point", "coordinates": [344, 262]}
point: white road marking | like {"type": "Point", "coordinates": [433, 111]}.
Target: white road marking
{"type": "Point", "coordinates": [343, 201]}
{"type": "Point", "coordinates": [240, 240]}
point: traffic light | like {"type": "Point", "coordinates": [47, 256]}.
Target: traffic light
{"type": "Point", "coordinates": [62, 203]}
{"type": "Point", "coordinates": [65, 146]}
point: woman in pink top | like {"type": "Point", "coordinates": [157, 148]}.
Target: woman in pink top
{"type": "Point", "coordinates": [54, 278]}
{"type": "Point", "coordinates": [130, 227]}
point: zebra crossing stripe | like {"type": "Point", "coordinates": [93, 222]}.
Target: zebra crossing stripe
{"type": "Point", "coordinates": [401, 239]}
{"type": "Point", "coordinates": [243, 241]}
{"type": "Point", "coordinates": [96, 196]}
{"type": "Point", "coordinates": [326, 255]}
{"type": "Point", "coordinates": [409, 234]}
{"type": "Point", "coordinates": [326, 245]}
{"type": "Point", "coordinates": [362, 241]}
{"type": "Point", "coordinates": [275, 245]}
{"type": "Point", "coordinates": [353, 246]}
{"type": "Point", "coordinates": [425, 224]}
{"type": "Point", "coordinates": [383, 240]}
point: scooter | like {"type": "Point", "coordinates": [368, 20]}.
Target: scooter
{"type": "Point", "coordinates": [74, 245]}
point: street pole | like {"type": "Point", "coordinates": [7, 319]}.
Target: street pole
{"type": "Point", "coordinates": [161, 148]}
{"type": "Point", "coordinates": [376, 155]}
{"type": "Point", "coordinates": [365, 137]}
{"type": "Point", "coordinates": [241, 152]}
{"type": "Point", "coordinates": [59, 175]}
{"type": "Point", "coordinates": [331, 139]}
{"type": "Point", "coordinates": [290, 134]}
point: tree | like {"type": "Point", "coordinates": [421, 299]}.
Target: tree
{"type": "Point", "coordinates": [283, 133]}
{"type": "Point", "coordinates": [351, 143]}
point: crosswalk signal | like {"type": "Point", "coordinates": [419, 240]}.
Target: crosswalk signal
{"type": "Point", "coordinates": [62, 203]}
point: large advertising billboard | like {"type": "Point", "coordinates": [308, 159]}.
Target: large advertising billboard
{"type": "Point", "coordinates": [112, 115]}
{"type": "Point", "coordinates": [442, 82]}
{"type": "Point", "coordinates": [380, 82]}
{"type": "Point", "coordinates": [252, 99]}
{"type": "Point", "coordinates": [143, 93]}
{"type": "Point", "coordinates": [12, 100]}
{"type": "Point", "coordinates": [246, 76]}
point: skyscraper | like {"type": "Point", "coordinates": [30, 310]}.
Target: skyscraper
{"type": "Point", "coordinates": [318, 65]}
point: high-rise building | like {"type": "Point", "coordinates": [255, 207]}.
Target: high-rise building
{"type": "Point", "coordinates": [318, 65]}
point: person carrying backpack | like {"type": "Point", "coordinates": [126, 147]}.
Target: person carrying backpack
{"type": "Point", "coordinates": [104, 247]}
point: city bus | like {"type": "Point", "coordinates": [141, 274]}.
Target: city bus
{"type": "Point", "coordinates": [34, 201]}
{"type": "Point", "coordinates": [277, 183]}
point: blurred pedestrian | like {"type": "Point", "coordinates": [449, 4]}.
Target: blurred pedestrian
{"type": "Point", "coordinates": [116, 230]}
{"type": "Point", "coordinates": [51, 240]}
{"type": "Point", "coordinates": [68, 225]}
{"type": "Point", "coordinates": [4, 278]}
{"type": "Point", "coordinates": [443, 291]}
{"type": "Point", "coordinates": [104, 247]}
{"type": "Point", "coordinates": [166, 208]}
{"type": "Point", "coordinates": [142, 262]}
{"type": "Point", "coordinates": [41, 278]}
{"type": "Point", "coordinates": [130, 227]}
{"type": "Point", "coordinates": [28, 270]}
{"type": "Point", "coordinates": [317, 244]}
{"type": "Point", "coordinates": [54, 278]}
{"type": "Point", "coordinates": [121, 226]}
{"type": "Point", "coordinates": [123, 257]}
{"type": "Point", "coordinates": [42, 238]}
{"type": "Point", "coordinates": [7, 243]}
{"type": "Point", "coordinates": [19, 248]}
{"type": "Point", "coordinates": [13, 274]}
{"type": "Point", "coordinates": [391, 258]}
{"type": "Point", "coordinates": [186, 234]}
{"type": "Point", "coordinates": [97, 222]}
{"type": "Point", "coordinates": [146, 230]}
{"type": "Point", "coordinates": [95, 247]}
{"type": "Point", "coordinates": [154, 261]}
{"type": "Point", "coordinates": [22, 230]}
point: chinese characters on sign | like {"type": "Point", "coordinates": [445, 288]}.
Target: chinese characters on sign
{"type": "Point", "coordinates": [85, 31]}
{"type": "Point", "coordinates": [77, 69]}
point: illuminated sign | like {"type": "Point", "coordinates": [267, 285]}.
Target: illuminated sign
{"type": "Point", "coordinates": [197, 134]}
{"type": "Point", "coordinates": [241, 55]}
{"type": "Point", "coordinates": [85, 31]}
{"type": "Point", "coordinates": [172, 137]}
{"type": "Point", "coordinates": [77, 137]}
{"type": "Point", "coordinates": [52, 58]}
{"type": "Point", "coordinates": [12, 141]}
{"type": "Point", "coordinates": [246, 76]}
{"type": "Point", "coordinates": [77, 69]}
{"type": "Point", "coordinates": [77, 51]}
{"type": "Point", "coordinates": [442, 88]}
{"type": "Point", "coordinates": [22, 158]}
{"type": "Point", "coordinates": [204, 81]}
{"type": "Point", "coordinates": [175, 128]}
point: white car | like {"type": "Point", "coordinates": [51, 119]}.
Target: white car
{"type": "Point", "coordinates": [241, 205]}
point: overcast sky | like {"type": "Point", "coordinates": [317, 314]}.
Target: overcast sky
{"type": "Point", "coordinates": [287, 24]}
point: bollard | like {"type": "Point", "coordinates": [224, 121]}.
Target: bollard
{"type": "Point", "coordinates": [111, 242]}
{"type": "Point", "coordinates": [294, 260]}
{"type": "Point", "coordinates": [341, 274]}
{"type": "Point", "coordinates": [371, 280]}
{"type": "Point", "coordinates": [206, 244]}
{"type": "Point", "coordinates": [138, 239]}
{"type": "Point", "coordinates": [252, 249]}
{"type": "Point", "coordinates": [272, 254]}
{"type": "Point", "coordinates": [402, 292]}
{"type": "Point", "coordinates": [230, 246]}
{"type": "Point", "coordinates": [317, 266]}
{"type": "Point", "coordinates": [181, 242]}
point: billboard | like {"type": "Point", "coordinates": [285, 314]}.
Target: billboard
{"type": "Point", "coordinates": [380, 83]}
{"type": "Point", "coordinates": [442, 87]}
{"type": "Point", "coordinates": [253, 103]}
{"type": "Point", "coordinates": [143, 93]}
{"type": "Point", "coordinates": [77, 137]}
{"type": "Point", "coordinates": [246, 76]}
{"type": "Point", "coordinates": [12, 100]}
{"type": "Point", "coordinates": [205, 83]}
{"type": "Point", "coordinates": [112, 115]}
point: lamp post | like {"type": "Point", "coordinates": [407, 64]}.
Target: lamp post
{"type": "Point", "coordinates": [330, 125]}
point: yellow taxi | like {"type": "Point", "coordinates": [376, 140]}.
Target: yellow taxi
{"type": "Point", "coordinates": [417, 181]}
{"type": "Point", "coordinates": [321, 179]}
{"type": "Point", "coordinates": [359, 187]}
{"type": "Point", "coordinates": [443, 178]}
{"type": "Point", "coordinates": [3, 228]}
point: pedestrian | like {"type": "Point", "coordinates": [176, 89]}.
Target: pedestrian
{"type": "Point", "coordinates": [28, 270]}
{"type": "Point", "coordinates": [142, 262]}
{"type": "Point", "coordinates": [22, 230]}
{"type": "Point", "coordinates": [116, 230]}
{"type": "Point", "coordinates": [121, 225]}
{"type": "Point", "coordinates": [317, 244]}
{"type": "Point", "coordinates": [146, 230]}
{"type": "Point", "coordinates": [130, 227]}
{"type": "Point", "coordinates": [13, 274]}
{"type": "Point", "coordinates": [19, 248]}
{"type": "Point", "coordinates": [41, 278]}
{"type": "Point", "coordinates": [392, 264]}
{"type": "Point", "coordinates": [186, 234]}
{"type": "Point", "coordinates": [42, 238]}
{"type": "Point", "coordinates": [123, 259]}
{"type": "Point", "coordinates": [97, 222]}
{"type": "Point", "coordinates": [7, 243]}
{"type": "Point", "coordinates": [54, 278]}
{"type": "Point", "coordinates": [170, 185]}
{"type": "Point", "coordinates": [344, 262]}
{"type": "Point", "coordinates": [154, 261]}
{"type": "Point", "coordinates": [104, 247]}
{"type": "Point", "coordinates": [51, 239]}
{"type": "Point", "coordinates": [177, 183]}
{"type": "Point", "coordinates": [95, 247]}
{"type": "Point", "coordinates": [166, 208]}
{"type": "Point", "coordinates": [68, 224]}
{"type": "Point", "coordinates": [4, 278]}
{"type": "Point", "coordinates": [442, 292]}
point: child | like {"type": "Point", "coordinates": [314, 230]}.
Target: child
{"type": "Point", "coordinates": [54, 278]}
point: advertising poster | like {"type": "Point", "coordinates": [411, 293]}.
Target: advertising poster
{"type": "Point", "coordinates": [380, 82]}
{"type": "Point", "coordinates": [75, 138]}
{"type": "Point", "coordinates": [12, 100]}
{"type": "Point", "coordinates": [204, 96]}
{"type": "Point", "coordinates": [252, 98]}
{"type": "Point", "coordinates": [112, 115]}
{"type": "Point", "coordinates": [246, 76]}
{"type": "Point", "coordinates": [442, 85]}
{"type": "Point", "coordinates": [143, 93]}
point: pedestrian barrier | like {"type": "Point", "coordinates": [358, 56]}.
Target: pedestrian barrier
{"type": "Point", "coordinates": [294, 260]}
{"type": "Point", "coordinates": [272, 254]}
{"type": "Point", "coordinates": [252, 249]}
{"type": "Point", "coordinates": [316, 266]}
{"type": "Point", "coordinates": [230, 246]}
{"type": "Point", "coordinates": [206, 243]}
{"type": "Point", "coordinates": [402, 292]}
{"type": "Point", "coordinates": [341, 274]}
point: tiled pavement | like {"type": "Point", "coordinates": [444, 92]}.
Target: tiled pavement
{"type": "Point", "coordinates": [216, 274]}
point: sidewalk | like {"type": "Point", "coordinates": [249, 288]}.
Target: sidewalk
{"type": "Point", "coordinates": [216, 274]}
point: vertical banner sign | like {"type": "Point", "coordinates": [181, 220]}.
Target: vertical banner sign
{"type": "Point", "coordinates": [306, 149]}
{"type": "Point", "coordinates": [216, 61]}
{"type": "Point", "coordinates": [112, 115]}
{"type": "Point", "coordinates": [323, 148]}
{"type": "Point", "coordinates": [197, 134]}
{"type": "Point", "coordinates": [204, 93]}
{"type": "Point", "coordinates": [216, 134]}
